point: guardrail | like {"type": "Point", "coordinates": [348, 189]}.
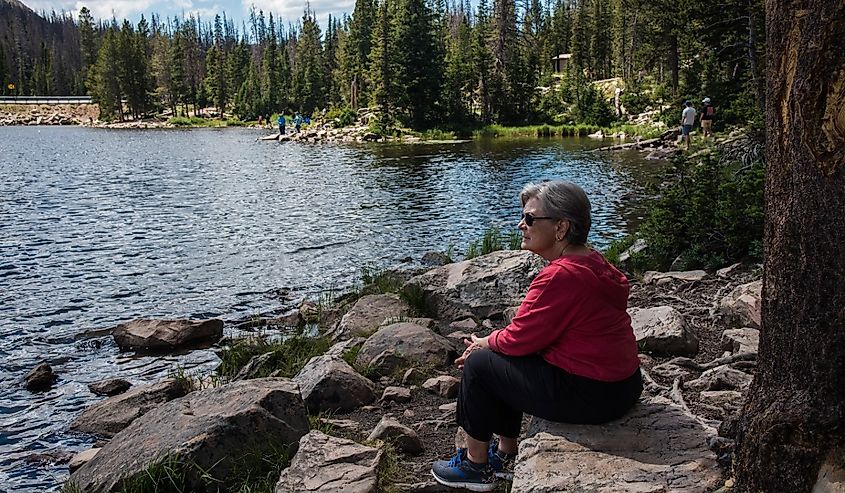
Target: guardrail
{"type": "Point", "coordinates": [45, 100]}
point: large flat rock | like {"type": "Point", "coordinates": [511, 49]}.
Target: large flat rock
{"type": "Point", "coordinates": [657, 448]}
{"type": "Point", "coordinates": [211, 430]}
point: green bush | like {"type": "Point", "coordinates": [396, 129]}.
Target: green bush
{"type": "Point", "coordinates": [288, 355]}
{"type": "Point", "coordinates": [710, 214]}
{"type": "Point", "coordinates": [341, 117]}
{"type": "Point", "coordinates": [494, 239]}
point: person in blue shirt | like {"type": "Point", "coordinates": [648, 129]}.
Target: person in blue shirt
{"type": "Point", "coordinates": [281, 122]}
{"type": "Point", "coordinates": [297, 122]}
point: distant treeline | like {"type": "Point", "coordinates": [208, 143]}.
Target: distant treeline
{"type": "Point", "coordinates": [424, 62]}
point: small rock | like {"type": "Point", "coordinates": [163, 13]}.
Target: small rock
{"type": "Point", "coordinates": [81, 458]}
{"type": "Point", "coordinates": [412, 376]}
{"type": "Point", "coordinates": [744, 340]}
{"type": "Point", "coordinates": [405, 438]}
{"type": "Point", "coordinates": [727, 271]}
{"type": "Point", "coordinates": [40, 378]}
{"type": "Point", "coordinates": [445, 385]}
{"type": "Point", "coordinates": [342, 424]}
{"type": "Point", "coordinates": [409, 413]}
{"type": "Point", "coordinates": [465, 324]}
{"type": "Point", "coordinates": [112, 386]}
{"type": "Point", "coordinates": [450, 407]}
{"type": "Point", "coordinates": [690, 276]}
{"type": "Point", "coordinates": [397, 394]}
{"type": "Point", "coordinates": [435, 259]}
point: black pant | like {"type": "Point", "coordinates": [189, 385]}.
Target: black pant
{"type": "Point", "coordinates": [496, 390]}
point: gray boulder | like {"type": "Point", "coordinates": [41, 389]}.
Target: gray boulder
{"type": "Point", "coordinates": [657, 447]}
{"type": "Point", "coordinates": [112, 386]}
{"type": "Point", "coordinates": [208, 429]}
{"type": "Point", "coordinates": [328, 383]}
{"type": "Point", "coordinates": [166, 334]}
{"type": "Point", "coordinates": [405, 439]}
{"type": "Point", "coordinates": [481, 287]}
{"type": "Point", "coordinates": [328, 464]}
{"type": "Point", "coordinates": [743, 304]}
{"type": "Point", "coordinates": [368, 313]}
{"type": "Point", "coordinates": [663, 331]}
{"type": "Point", "coordinates": [402, 345]}
{"type": "Point", "coordinates": [112, 415]}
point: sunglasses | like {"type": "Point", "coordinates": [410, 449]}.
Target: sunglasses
{"type": "Point", "coordinates": [530, 218]}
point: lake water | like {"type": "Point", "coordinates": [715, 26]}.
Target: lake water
{"type": "Point", "coordinates": [102, 226]}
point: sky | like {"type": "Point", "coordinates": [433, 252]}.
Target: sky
{"type": "Point", "coordinates": [238, 10]}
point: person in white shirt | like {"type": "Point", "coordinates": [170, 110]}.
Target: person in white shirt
{"type": "Point", "coordinates": [687, 121]}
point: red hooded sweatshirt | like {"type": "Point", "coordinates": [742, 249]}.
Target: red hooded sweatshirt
{"type": "Point", "coordinates": [575, 317]}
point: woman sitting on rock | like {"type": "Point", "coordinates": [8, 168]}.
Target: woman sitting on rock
{"type": "Point", "coordinates": [569, 355]}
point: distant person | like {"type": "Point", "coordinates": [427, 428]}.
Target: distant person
{"type": "Point", "coordinates": [297, 122]}
{"type": "Point", "coordinates": [281, 122]}
{"type": "Point", "coordinates": [267, 121]}
{"type": "Point", "coordinates": [260, 120]}
{"type": "Point", "coordinates": [687, 121]}
{"type": "Point", "coordinates": [708, 112]}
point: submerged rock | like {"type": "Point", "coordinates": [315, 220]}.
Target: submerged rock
{"type": "Point", "coordinates": [40, 378]}
{"type": "Point", "coordinates": [112, 386]}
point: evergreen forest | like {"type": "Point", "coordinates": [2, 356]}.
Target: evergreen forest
{"type": "Point", "coordinates": [424, 63]}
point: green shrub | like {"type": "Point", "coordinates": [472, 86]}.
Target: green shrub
{"type": "Point", "coordinates": [384, 281]}
{"type": "Point", "coordinates": [341, 117]}
{"type": "Point", "coordinates": [494, 239]}
{"type": "Point", "coordinates": [710, 215]}
{"type": "Point", "coordinates": [288, 355]}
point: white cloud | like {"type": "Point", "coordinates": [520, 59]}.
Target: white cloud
{"type": "Point", "coordinates": [292, 10]}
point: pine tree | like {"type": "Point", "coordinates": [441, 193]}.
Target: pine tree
{"type": "Point", "coordinates": [459, 77]}
{"type": "Point", "coordinates": [106, 88]}
{"type": "Point", "coordinates": [356, 49]}
{"type": "Point", "coordinates": [87, 42]}
{"type": "Point", "coordinates": [308, 68]}
{"type": "Point", "coordinates": [419, 74]}
{"type": "Point", "coordinates": [382, 64]}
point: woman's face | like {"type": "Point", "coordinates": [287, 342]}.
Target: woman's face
{"type": "Point", "coordinates": [540, 237]}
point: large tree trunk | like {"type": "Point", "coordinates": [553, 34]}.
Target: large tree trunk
{"type": "Point", "coordinates": [792, 430]}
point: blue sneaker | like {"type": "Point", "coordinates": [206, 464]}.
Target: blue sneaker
{"type": "Point", "coordinates": [459, 472]}
{"type": "Point", "coordinates": [500, 462]}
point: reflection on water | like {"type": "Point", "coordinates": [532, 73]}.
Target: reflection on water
{"type": "Point", "coordinates": [100, 226]}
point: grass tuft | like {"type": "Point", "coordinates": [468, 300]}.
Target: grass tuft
{"type": "Point", "coordinates": [288, 355]}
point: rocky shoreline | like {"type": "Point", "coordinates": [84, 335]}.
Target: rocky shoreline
{"type": "Point", "coordinates": [376, 405]}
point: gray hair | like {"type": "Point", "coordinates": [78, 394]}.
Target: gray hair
{"type": "Point", "coordinates": [564, 200]}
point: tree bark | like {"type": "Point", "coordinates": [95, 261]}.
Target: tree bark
{"type": "Point", "coordinates": [792, 427]}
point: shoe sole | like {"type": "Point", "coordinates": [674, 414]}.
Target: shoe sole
{"type": "Point", "coordinates": [467, 486]}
